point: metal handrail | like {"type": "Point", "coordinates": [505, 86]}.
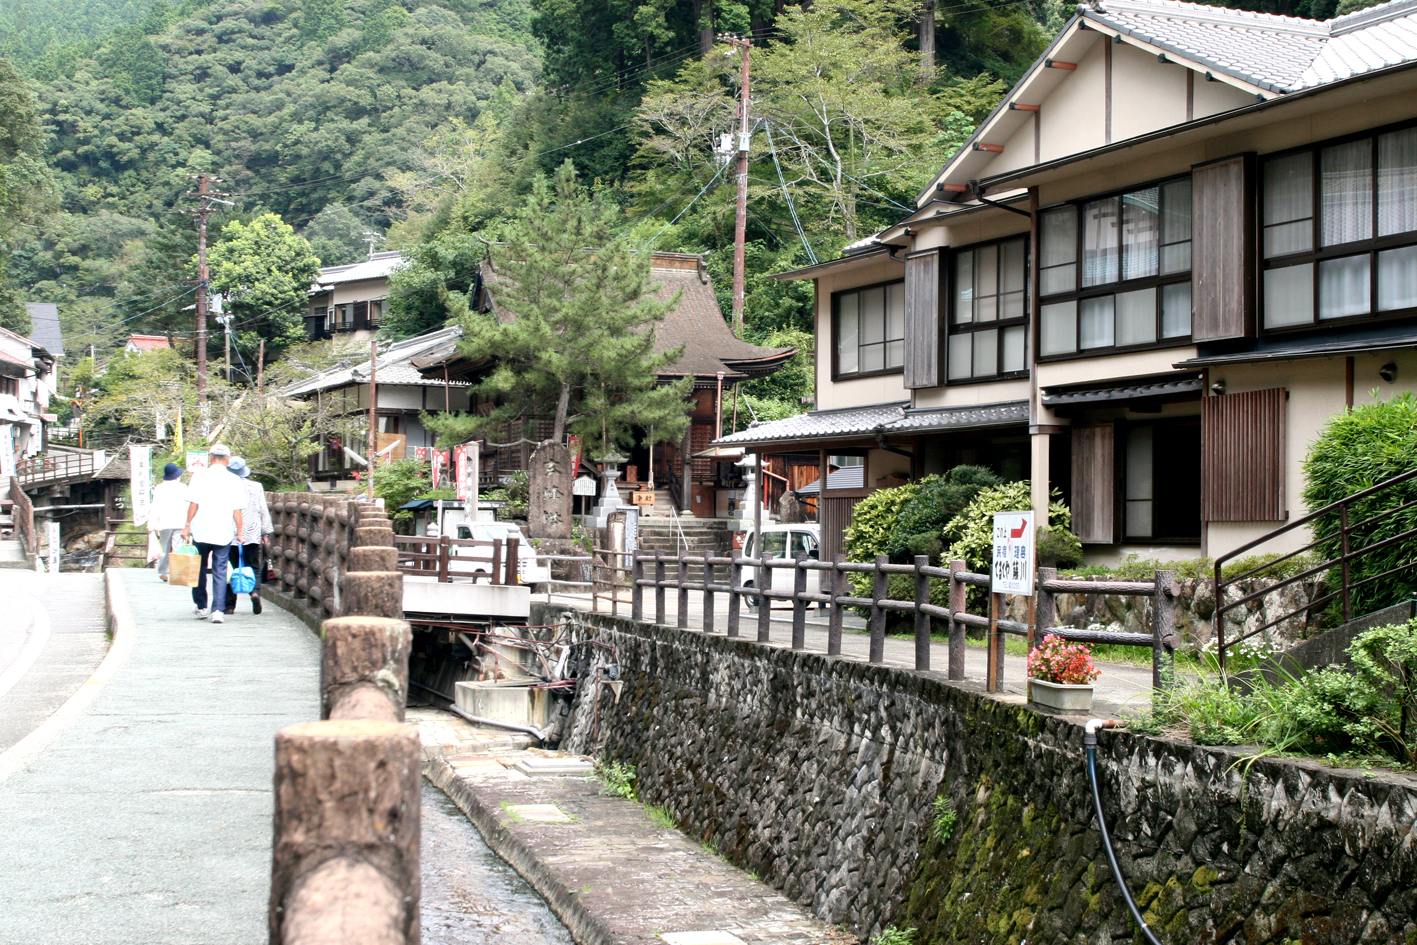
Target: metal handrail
{"type": "Point", "coordinates": [1343, 562]}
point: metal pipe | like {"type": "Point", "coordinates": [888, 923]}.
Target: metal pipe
{"type": "Point", "coordinates": [478, 720]}
{"type": "Point", "coordinates": [914, 460]}
{"type": "Point", "coordinates": [1089, 741]}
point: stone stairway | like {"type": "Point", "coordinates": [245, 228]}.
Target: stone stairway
{"type": "Point", "coordinates": [710, 536]}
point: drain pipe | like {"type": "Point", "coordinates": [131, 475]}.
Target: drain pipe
{"type": "Point", "coordinates": [478, 720]}
{"type": "Point", "coordinates": [1089, 741]}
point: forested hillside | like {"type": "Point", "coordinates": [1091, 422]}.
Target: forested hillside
{"type": "Point", "coordinates": [31, 29]}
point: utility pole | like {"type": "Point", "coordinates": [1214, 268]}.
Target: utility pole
{"type": "Point", "coordinates": [740, 219]}
{"type": "Point", "coordinates": [226, 326]}
{"type": "Point", "coordinates": [261, 372]}
{"type": "Point", "coordinates": [205, 199]}
{"type": "Point", "coordinates": [373, 414]}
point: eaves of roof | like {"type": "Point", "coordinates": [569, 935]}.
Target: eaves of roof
{"type": "Point", "coordinates": [853, 423]}
{"type": "Point", "coordinates": [1020, 174]}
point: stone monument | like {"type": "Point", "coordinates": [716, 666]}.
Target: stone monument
{"type": "Point", "coordinates": [549, 493]}
{"type": "Point", "coordinates": [609, 491]}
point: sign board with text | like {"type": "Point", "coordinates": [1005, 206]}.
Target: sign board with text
{"type": "Point", "coordinates": [140, 481]}
{"type": "Point", "coordinates": [1012, 569]}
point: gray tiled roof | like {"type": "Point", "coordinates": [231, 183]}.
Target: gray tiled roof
{"type": "Point", "coordinates": [1058, 397]}
{"type": "Point", "coordinates": [1273, 52]}
{"type": "Point", "coordinates": [891, 418]}
{"type": "Point", "coordinates": [394, 366]}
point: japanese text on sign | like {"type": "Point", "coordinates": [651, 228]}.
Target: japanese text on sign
{"type": "Point", "coordinates": [1012, 571]}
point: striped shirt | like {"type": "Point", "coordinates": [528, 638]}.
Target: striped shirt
{"type": "Point", "coordinates": [256, 517]}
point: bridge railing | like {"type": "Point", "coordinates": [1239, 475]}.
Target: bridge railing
{"type": "Point", "coordinates": [56, 466]}
{"type": "Point", "coordinates": [495, 561]}
{"type": "Point", "coordinates": [345, 856]}
{"type": "Point", "coordinates": [618, 575]}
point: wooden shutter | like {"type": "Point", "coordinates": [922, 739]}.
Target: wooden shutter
{"type": "Point", "coordinates": [1242, 456]}
{"type": "Point", "coordinates": [923, 324]}
{"type": "Point", "coordinates": [361, 315]}
{"type": "Point", "coordinates": [835, 516]}
{"type": "Point", "coordinates": [1094, 483]}
{"type": "Point", "coordinates": [1223, 249]}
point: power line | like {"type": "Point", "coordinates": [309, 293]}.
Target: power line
{"type": "Point", "coordinates": [791, 208]}
{"type": "Point", "coordinates": [666, 226]}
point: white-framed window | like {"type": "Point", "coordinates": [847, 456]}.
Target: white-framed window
{"type": "Point", "coordinates": [869, 330]}
{"type": "Point", "coordinates": [1339, 230]}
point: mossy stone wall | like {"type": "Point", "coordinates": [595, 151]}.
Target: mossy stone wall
{"type": "Point", "coordinates": [821, 774]}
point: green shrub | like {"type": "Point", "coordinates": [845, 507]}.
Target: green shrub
{"type": "Point", "coordinates": [873, 522]}
{"type": "Point", "coordinates": [971, 532]}
{"type": "Point", "coordinates": [617, 779]}
{"type": "Point", "coordinates": [1058, 548]}
{"type": "Point", "coordinates": [1368, 708]}
{"type": "Point", "coordinates": [397, 483]}
{"type": "Point", "coordinates": [1137, 568]}
{"type": "Point", "coordinates": [1355, 450]}
{"type": "Point", "coordinates": [937, 500]}
{"type": "Point", "coordinates": [891, 935]}
{"type": "Point", "coordinates": [943, 826]}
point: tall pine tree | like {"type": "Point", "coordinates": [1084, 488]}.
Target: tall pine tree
{"type": "Point", "coordinates": [573, 337]}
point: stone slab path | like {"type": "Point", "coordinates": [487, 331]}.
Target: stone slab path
{"type": "Point", "coordinates": [610, 872]}
{"type": "Point", "coordinates": [148, 820]}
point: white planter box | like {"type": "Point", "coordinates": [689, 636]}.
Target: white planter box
{"type": "Point", "coordinates": [1063, 697]}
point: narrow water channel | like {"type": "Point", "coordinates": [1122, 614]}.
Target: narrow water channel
{"type": "Point", "coordinates": [470, 896]}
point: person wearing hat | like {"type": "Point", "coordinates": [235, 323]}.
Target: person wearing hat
{"type": "Point", "coordinates": [167, 513]}
{"type": "Point", "coordinates": [216, 500]}
{"type": "Point", "coordinates": [256, 524]}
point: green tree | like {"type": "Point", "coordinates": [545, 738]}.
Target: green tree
{"type": "Point", "coordinates": [337, 237]}
{"type": "Point", "coordinates": [27, 191]}
{"type": "Point", "coordinates": [320, 19]}
{"type": "Point", "coordinates": [265, 269]}
{"type": "Point", "coordinates": [574, 335]}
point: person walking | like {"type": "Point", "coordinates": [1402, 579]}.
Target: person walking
{"type": "Point", "coordinates": [168, 512]}
{"type": "Point", "coordinates": [256, 524]}
{"type": "Point", "coordinates": [216, 500]}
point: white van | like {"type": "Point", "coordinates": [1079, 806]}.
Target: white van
{"type": "Point", "coordinates": [477, 562]}
{"type": "Point", "coordinates": [784, 541]}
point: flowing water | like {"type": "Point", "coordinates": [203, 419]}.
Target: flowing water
{"type": "Point", "coordinates": [470, 895]}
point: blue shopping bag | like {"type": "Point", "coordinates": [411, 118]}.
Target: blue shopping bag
{"type": "Point", "coordinates": [243, 578]}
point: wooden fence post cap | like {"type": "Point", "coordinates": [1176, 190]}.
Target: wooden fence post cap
{"type": "Point", "coordinates": [346, 729]}
{"type": "Point", "coordinates": [352, 623]}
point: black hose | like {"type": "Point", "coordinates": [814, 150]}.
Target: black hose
{"type": "Point", "coordinates": [1089, 741]}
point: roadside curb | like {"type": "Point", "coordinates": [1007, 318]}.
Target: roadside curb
{"type": "Point", "coordinates": [123, 631]}
{"type": "Point", "coordinates": [585, 928]}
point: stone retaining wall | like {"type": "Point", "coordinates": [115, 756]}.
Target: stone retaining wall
{"type": "Point", "coordinates": [821, 774]}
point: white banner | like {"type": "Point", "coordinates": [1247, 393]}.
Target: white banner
{"type": "Point", "coordinates": [55, 549]}
{"type": "Point", "coordinates": [140, 481]}
{"type": "Point", "coordinates": [7, 450]}
{"type": "Point", "coordinates": [1012, 571]}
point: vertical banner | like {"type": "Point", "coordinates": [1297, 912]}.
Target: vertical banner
{"type": "Point", "coordinates": [55, 549]}
{"type": "Point", "coordinates": [7, 451]}
{"type": "Point", "coordinates": [140, 481]}
{"type": "Point", "coordinates": [458, 469]}
{"type": "Point", "coordinates": [573, 443]}
{"type": "Point", "coordinates": [468, 476]}
{"type": "Point", "coordinates": [420, 453]}
{"type": "Point", "coordinates": [438, 460]}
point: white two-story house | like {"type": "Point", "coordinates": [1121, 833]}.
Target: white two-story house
{"type": "Point", "coordinates": [27, 381]}
{"type": "Point", "coordinates": [1184, 240]}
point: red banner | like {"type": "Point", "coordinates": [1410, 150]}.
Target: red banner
{"type": "Point", "coordinates": [460, 474]}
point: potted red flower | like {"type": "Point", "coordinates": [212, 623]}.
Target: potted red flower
{"type": "Point", "coordinates": [1061, 675]}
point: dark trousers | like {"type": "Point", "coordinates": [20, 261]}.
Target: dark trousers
{"type": "Point", "coordinates": [250, 556]}
{"type": "Point", "coordinates": [215, 561]}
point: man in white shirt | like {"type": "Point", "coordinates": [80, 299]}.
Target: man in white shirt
{"type": "Point", "coordinates": [168, 512]}
{"type": "Point", "coordinates": [213, 521]}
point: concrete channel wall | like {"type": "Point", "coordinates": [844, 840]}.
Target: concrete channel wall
{"type": "Point", "coordinates": [821, 775]}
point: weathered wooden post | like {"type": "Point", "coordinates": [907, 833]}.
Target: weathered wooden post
{"type": "Point", "coordinates": [708, 595]}
{"type": "Point", "coordinates": [444, 552]}
{"type": "Point", "coordinates": [994, 678]}
{"type": "Point", "coordinates": [1046, 614]}
{"type": "Point", "coordinates": [735, 595]}
{"type": "Point", "coordinates": [637, 593]}
{"type": "Point", "coordinates": [513, 548]}
{"type": "Point", "coordinates": [682, 583]}
{"type": "Point", "coordinates": [959, 601]}
{"type": "Point", "coordinates": [922, 619]}
{"type": "Point", "coordinates": [799, 606]}
{"type": "Point", "coordinates": [659, 616]}
{"type": "Point", "coordinates": [345, 864]}
{"type": "Point", "coordinates": [837, 588]}
{"type": "Point", "coordinates": [880, 590]}
{"type": "Point", "coordinates": [764, 602]}
{"type": "Point", "coordinates": [495, 577]}
{"type": "Point", "coordinates": [1163, 629]}
{"type": "Point", "coordinates": [364, 668]}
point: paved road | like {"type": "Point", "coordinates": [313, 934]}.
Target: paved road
{"type": "Point", "coordinates": [51, 639]}
{"type": "Point", "coordinates": [1121, 685]}
{"type": "Point", "coordinates": [148, 820]}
